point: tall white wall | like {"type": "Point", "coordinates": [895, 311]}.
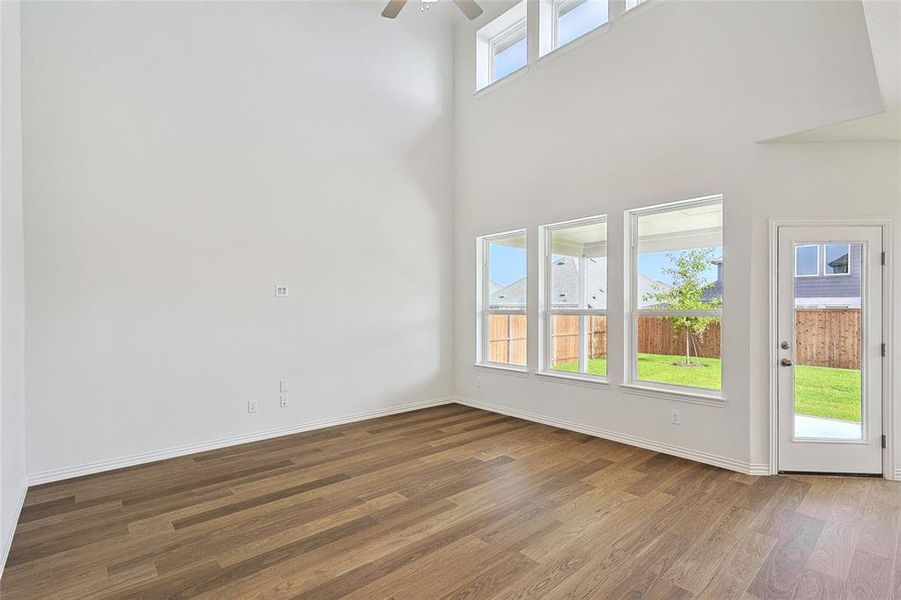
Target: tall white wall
{"type": "Point", "coordinates": [667, 103]}
{"type": "Point", "coordinates": [12, 284]}
{"type": "Point", "coordinates": [182, 158]}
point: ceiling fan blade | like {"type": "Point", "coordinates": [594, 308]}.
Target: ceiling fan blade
{"type": "Point", "coordinates": [469, 8]}
{"type": "Point", "coordinates": [393, 8]}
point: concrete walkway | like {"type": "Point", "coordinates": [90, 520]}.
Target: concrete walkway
{"type": "Point", "coordinates": [817, 427]}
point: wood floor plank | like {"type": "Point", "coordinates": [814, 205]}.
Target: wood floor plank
{"type": "Point", "coordinates": [452, 502]}
{"type": "Point", "coordinates": [780, 573]}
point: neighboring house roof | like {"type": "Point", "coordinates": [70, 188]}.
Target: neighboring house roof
{"type": "Point", "coordinates": [512, 294]}
{"type": "Point", "coordinates": [566, 285]}
{"type": "Point", "coordinates": [841, 261]}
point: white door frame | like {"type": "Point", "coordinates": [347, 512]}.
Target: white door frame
{"type": "Point", "coordinates": [888, 415]}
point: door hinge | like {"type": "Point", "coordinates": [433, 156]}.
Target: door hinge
{"type": "Point", "coordinates": [883, 258]}
{"type": "Point", "coordinates": [883, 349]}
{"type": "Point", "coordinates": [883, 440]}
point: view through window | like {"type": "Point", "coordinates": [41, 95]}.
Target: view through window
{"type": "Point", "coordinates": [677, 294]}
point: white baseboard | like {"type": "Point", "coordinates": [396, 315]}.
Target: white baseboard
{"type": "Point", "coordinates": [10, 530]}
{"type": "Point", "coordinates": [759, 469]}
{"type": "Point", "coordinates": [100, 466]}
{"type": "Point", "coordinates": [632, 440]}
{"type": "Point", "coordinates": [897, 475]}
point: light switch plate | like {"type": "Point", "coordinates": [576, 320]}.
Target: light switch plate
{"type": "Point", "coordinates": [281, 290]}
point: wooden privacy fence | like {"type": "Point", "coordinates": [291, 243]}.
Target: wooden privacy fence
{"type": "Point", "coordinates": [828, 337]}
{"type": "Point", "coordinates": [566, 338]}
{"type": "Point", "coordinates": [825, 338]}
{"type": "Point", "coordinates": [656, 336]}
{"type": "Point", "coordinates": [507, 339]}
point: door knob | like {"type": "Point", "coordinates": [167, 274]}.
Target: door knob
{"type": "Point", "coordinates": [786, 362]}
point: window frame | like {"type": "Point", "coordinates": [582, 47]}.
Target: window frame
{"type": "Point", "coordinates": [556, 14]}
{"type": "Point", "coordinates": [505, 40]}
{"type": "Point", "coordinates": [483, 306]}
{"type": "Point", "coordinates": [497, 35]}
{"type": "Point", "coordinates": [824, 264]}
{"type": "Point", "coordinates": [633, 312]}
{"type": "Point", "coordinates": [547, 312]}
{"type": "Point", "coordinates": [817, 246]}
{"type": "Point", "coordinates": [638, 4]}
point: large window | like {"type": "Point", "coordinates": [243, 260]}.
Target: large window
{"type": "Point", "coordinates": [501, 46]}
{"type": "Point", "coordinates": [676, 296]}
{"type": "Point", "coordinates": [502, 300]}
{"type": "Point", "coordinates": [563, 21]}
{"type": "Point", "coordinates": [574, 298]}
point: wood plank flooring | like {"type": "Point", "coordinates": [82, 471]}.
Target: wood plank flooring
{"type": "Point", "coordinates": [452, 502]}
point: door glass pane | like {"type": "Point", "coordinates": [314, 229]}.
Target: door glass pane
{"type": "Point", "coordinates": [828, 398]}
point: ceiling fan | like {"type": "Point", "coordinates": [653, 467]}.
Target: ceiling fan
{"type": "Point", "coordinates": [468, 7]}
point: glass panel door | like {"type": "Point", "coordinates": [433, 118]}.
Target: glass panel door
{"type": "Point", "coordinates": [828, 355]}
{"type": "Point", "coordinates": [828, 397]}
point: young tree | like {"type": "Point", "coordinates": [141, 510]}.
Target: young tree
{"type": "Point", "coordinates": [686, 293]}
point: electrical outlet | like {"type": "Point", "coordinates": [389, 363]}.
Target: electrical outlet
{"type": "Point", "coordinates": [252, 406]}
{"type": "Point", "coordinates": [283, 400]}
{"type": "Point", "coordinates": [283, 385]}
{"type": "Point", "coordinates": [479, 382]}
{"type": "Point", "coordinates": [674, 417]}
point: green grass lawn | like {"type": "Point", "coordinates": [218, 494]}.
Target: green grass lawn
{"type": "Point", "coordinates": [826, 392]}
{"type": "Point", "coordinates": [819, 391]}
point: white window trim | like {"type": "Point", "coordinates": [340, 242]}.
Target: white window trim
{"type": "Point", "coordinates": [549, 25]}
{"type": "Point", "coordinates": [483, 308]}
{"type": "Point", "coordinates": [638, 4]}
{"type": "Point", "coordinates": [493, 35]}
{"type": "Point", "coordinates": [631, 382]}
{"type": "Point", "coordinates": [503, 41]}
{"type": "Point", "coordinates": [798, 247]}
{"type": "Point", "coordinates": [545, 333]}
{"type": "Point", "coordinates": [825, 274]}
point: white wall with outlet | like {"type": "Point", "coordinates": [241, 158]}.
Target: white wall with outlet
{"type": "Point", "coordinates": [211, 214]}
{"type": "Point", "coordinates": [627, 117]}
{"type": "Point", "coordinates": [182, 160]}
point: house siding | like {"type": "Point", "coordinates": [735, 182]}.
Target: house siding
{"type": "Point", "coordinates": [832, 286]}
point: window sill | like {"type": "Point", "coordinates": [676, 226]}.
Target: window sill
{"type": "Point", "coordinates": [500, 82]}
{"type": "Point", "coordinates": [573, 44]}
{"type": "Point", "coordinates": [586, 381]}
{"type": "Point", "coordinates": [671, 394]}
{"type": "Point", "coordinates": [520, 371]}
{"type": "Point", "coordinates": [637, 9]}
